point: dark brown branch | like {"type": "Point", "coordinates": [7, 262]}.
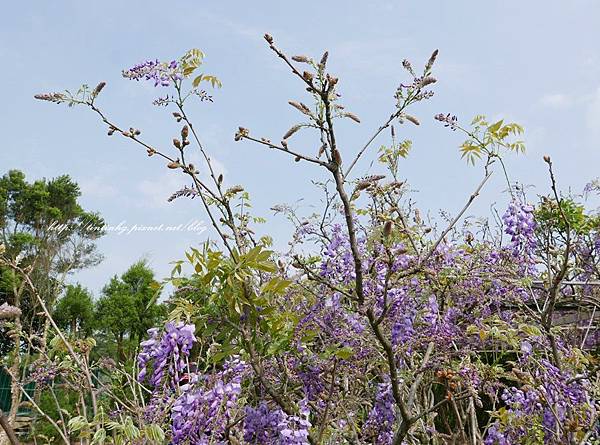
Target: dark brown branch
{"type": "Point", "coordinates": [12, 437]}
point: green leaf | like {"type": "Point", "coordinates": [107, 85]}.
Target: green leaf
{"type": "Point", "coordinates": [77, 423]}
{"type": "Point", "coordinates": [99, 437]}
{"type": "Point", "coordinates": [344, 353]}
{"type": "Point", "coordinates": [495, 127]}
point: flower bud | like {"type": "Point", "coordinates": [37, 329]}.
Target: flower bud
{"type": "Point", "coordinates": [323, 61]}
{"type": "Point", "coordinates": [98, 88]}
{"type": "Point", "coordinates": [321, 151]}
{"type": "Point", "coordinates": [176, 143]}
{"type": "Point", "coordinates": [428, 81]}
{"type": "Point", "coordinates": [173, 165]}
{"type": "Point", "coordinates": [412, 119]}
{"type": "Point", "coordinates": [235, 189]}
{"type": "Point", "coordinates": [332, 80]}
{"type": "Point", "coordinates": [431, 60]}
{"type": "Point", "coordinates": [184, 132]}
{"type": "Point", "coordinates": [547, 159]}
{"type": "Point", "coordinates": [387, 228]}
{"type": "Point", "coordinates": [300, 59]}
{"type": "Point", "coordinates": [352, 116]}
{"type": "Point", "coordinates": [291, 131]}
{"type": "Point", "coordinates": [241, 133]}
{"type": "Point", "coordinates": [269, 39]}
{"type": "Point", "coordinates": [308, 76]}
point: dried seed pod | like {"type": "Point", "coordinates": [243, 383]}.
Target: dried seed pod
{"type": "Point", "coordinates": [291, 131]}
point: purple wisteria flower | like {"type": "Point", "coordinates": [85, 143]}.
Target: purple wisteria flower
{"type": "Point", "coordinates": [274, 427]}
{"type": "Point", "coordinates": [166, 353]}
{"type": "Point", "coordinates": [162, 73]}
{"type": "Point", "coordinates": [382, 417]}
{"type": "Point", "coordinates": [520, 224]}
{"type": "Point", "coordinates": [204, 409]}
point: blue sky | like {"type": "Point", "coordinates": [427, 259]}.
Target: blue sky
{"type": "Point", "coordinates": [533, 62]}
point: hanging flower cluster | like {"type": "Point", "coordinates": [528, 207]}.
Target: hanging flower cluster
{"type": "Point", "coordinates": [274, 427]}
{"type": "Point", "coordinates": [520, 225]}
{"type": "Point", "coordinates": [206, 407]}
{"type": "Point", "coordinates": [166, 353]}
{"type": "Point", "coordinates": [553, 407]}
{"type": "Point", "coordinates": [161, 73]}
{"type": "Point", "coordinates": [382, 417]}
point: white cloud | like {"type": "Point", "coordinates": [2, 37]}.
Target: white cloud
{"type": "Point", "coordinates": [556, 100]}
{"type": "Point", "coordinates": [97, 187]}
{"type": "Point", "coordinates": [156, 192]}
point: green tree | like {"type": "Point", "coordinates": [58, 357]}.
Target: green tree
{"type": "Point", "coordinates": [128, 308]}
{"type": "Point", "coordinates": [46, 235]}
{"type": "Point", "coordinates": [74, 312]}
